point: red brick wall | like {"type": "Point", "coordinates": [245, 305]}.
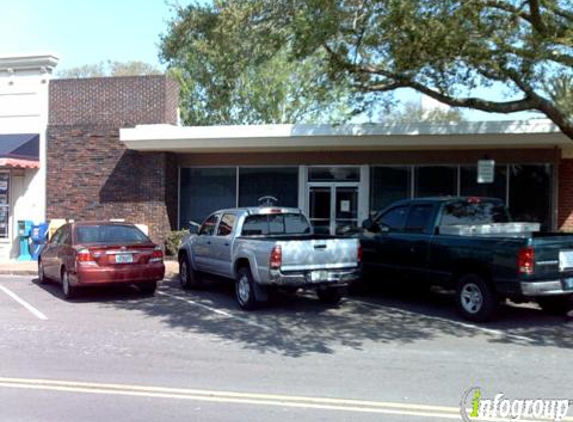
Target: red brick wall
{"type": "Point", "coordinates": [91, 174]}
{"type": "Point", "coordinates": [565, 209]}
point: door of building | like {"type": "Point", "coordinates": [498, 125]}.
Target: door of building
{"type": "Point", "coordinates": [333, 207]}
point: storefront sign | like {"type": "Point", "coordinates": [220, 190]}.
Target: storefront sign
{"type": "Point", "coordinates": [486, 171]}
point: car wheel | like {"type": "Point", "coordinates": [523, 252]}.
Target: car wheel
{"type": "Point", "coordinates": [68, 290]}
{"type": "Point", "coordinates": [329, 295]}
{"type": "Point", "coordinates": [188, 277]}
{"type": "Point", "coordinates": [148, 288]}
{"type": "Point", "coordinates": [476, 300]}
{"type": "Point", "coordinates": [556, 305]}
{"type": "Point", "coordinates": [245, 289]}
{"type": "Point", "coordinates": [41, 273]}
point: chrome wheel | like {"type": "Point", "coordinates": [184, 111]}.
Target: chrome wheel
{"type": "Point", "coordinates": [183, 273]}
{"type": "Point", "coordinates": [471, 298]}
{"type": "Point", "coordinates": [244, 289]}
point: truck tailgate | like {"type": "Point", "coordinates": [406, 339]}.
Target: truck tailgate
{"type": "Point", "coordinates": [315, 254]}
{"type": "Point", "coordinates": [553, 253]}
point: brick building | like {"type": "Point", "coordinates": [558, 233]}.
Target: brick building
{"type": "Point", "coordinates": [90, 173]}
{"type": "Point", "coordinates": [115, 151]}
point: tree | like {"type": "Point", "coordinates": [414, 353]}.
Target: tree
{"type": "Point", "coordinates": [109, 68]}
{"type": "Point", "coordinates": [233, 69]}
{"type": "Point", "coordinates": [444, 49]}
{"type": "Point", "coordinates": [415, 112]}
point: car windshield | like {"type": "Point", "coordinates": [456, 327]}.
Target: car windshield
{"type": "Point", "coordinates": [474, 212]}
{"type": "Point", "coordinates": [110, 233]}
{"type": "Point", "coordinates": [275, 224]}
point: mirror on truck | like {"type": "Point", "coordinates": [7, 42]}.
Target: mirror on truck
{"type": "Point", "coordinates": [373, 227]}
{"type": "Point", "coordinates": [194, 227]}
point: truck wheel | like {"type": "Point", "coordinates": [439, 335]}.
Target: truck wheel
{"type": "Point", "coordinates": [556, 305]}
{"type": "Point", "coordinates": [329, 295]}
{"type": "Point", "coordinates": [476, 300]}
{"type": "Point", "coordinates": [245, 289]}
{"type": "Point", "coordinates": [188, 277]}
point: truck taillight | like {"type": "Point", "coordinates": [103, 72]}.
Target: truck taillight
{"type": "Point", "coordinates": [84, 256]}
{"type": "Point", "coordinates": [276, 258]}
{"type": "Point", "coordinates": [526, 261]}
{"type": "Point", "coordinates": [359, 253]}
{"type": "Point", "coordinates": [157, 255]}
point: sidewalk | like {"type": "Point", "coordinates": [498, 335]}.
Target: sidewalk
{"type": "Point", "coordinates": [30, 268]}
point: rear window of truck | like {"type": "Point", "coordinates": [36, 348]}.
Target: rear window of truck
{"type": "Point", "coordinates": [474, 212]}
{"type": "Point", "coordinates": [275, 224]}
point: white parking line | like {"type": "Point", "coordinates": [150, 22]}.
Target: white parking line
{"type": "Point", "coordinates": [215, 310]}
{"type": "Point", "coordinates": [449, 321]}
{"type": "Point", "coordinates": [25, 304]}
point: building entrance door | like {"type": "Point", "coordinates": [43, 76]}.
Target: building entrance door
{"type": "Point", "coordinates": [333, 207]}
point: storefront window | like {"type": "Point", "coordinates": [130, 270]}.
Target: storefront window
{"type": "Point", "coordinates": [470, 187]}
{"type": "Point", "coordinates": [530, 193]}
{"type": "Point", "coordinates": [205, 190]}
{"type": "Point", "coordinates": [436, 181]}
{"type": "Point", "coordinates": [334, 174]}
{"type": "Point", "coordinates": [388, 184]}
{"type": "Point", "coordinates": [4, 204]}
{"type": "Point", "coordinates": [280, 182]}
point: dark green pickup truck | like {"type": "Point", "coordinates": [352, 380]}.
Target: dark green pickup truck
{"type": "Point", "coordinates": [470, 244]}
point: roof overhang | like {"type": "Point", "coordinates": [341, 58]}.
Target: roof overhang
{"type": "Point", "coordinates": [39, 61]}
{"type": "Point", "coordinates": [208, 139]}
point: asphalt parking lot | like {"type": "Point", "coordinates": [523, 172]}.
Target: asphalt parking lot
{"type": "Point", "coordinates": [393, 352]}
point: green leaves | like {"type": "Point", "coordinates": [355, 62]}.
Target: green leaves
{"type": "Point", "coordinates": [234, 65]}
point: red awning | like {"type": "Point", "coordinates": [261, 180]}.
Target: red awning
{"type": "Point", "coordinates": [21, 164]}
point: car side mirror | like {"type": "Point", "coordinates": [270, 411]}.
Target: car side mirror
{"type": "Point", "coordinates": [371, 226]}
{"type": "Point", "coordinates": [194, 227]}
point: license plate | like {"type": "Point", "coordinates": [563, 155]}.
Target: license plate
{"type": "Point", "coordinates": [124, 258]}
{"type": "Point", "coordinates": [318, 276]}
{"type": "Point", "coordinates": [568, 283]}
{"type": "Point", "coordinates": [565, 260]}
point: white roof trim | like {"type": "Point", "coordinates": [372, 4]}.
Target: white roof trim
{"type": "Point", "coordinates": [535, 132]}
{"type": "Point", "coordinates": [28, 61]}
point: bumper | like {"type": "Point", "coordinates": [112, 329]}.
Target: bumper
{"type": "Point", "coordinates": [314, 278]}
{"type": "Point", "coordinates": [546, 288]}
{"type": "Point", "coordinates": [86, 276]}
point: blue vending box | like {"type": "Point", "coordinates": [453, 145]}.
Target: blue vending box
{"type": "Point", "coordinates": [24, 232]}
{"type": "Point", "coordinates": [39, 236]}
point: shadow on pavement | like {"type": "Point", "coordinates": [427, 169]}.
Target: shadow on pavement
{"type": "Point", "coordinates": [296, 325]}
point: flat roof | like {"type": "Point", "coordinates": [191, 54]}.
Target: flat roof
{"type": "Point", "coordinates": [286, 137]}
{"type": "Point", "coordinates": [28, 61]}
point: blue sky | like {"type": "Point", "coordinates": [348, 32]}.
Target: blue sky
{"type": "Point", "coordinates": [88, 32]}
{"type": "Point", "coordinates": [84, 32]}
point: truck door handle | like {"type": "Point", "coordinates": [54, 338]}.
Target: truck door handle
{"type": "Point", "coordinates": [226, 243]}
{"type": "Point", "coordinates": [208, 242]}
{"type": "Point", "coordinates": [413, 250]}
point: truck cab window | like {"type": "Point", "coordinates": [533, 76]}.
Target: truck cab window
{"type": "Point", "coordinates": [394, 218]}
{"type": "Point", "coordinates": [208, 227]}
{"type": "Point", "coordinates": [226, 225]}
{"type": "Point", "coordinates": [419, 218]}
{"type": "Point", "coordinates": [474, 211]}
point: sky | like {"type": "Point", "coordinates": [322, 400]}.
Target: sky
{"type": "Point", "coordinates": [91, 31]}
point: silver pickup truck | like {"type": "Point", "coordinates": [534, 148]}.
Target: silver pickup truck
{"type": "Point", "coordinates": [269, 247]}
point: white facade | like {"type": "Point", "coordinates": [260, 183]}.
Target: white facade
{"type": "Point", "coordinates": [24, 81]}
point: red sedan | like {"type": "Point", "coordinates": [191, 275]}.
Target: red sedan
{"type": "Point", "coordinates": [101, 253]}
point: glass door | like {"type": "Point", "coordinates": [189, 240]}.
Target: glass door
{"type": "Point", "coordinates": [333, 207]}
{"type": "Point", "coordinates": [320, 208]}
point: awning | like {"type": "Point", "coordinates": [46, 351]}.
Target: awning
{"type": "Point", "coordinates": [20, 150]}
